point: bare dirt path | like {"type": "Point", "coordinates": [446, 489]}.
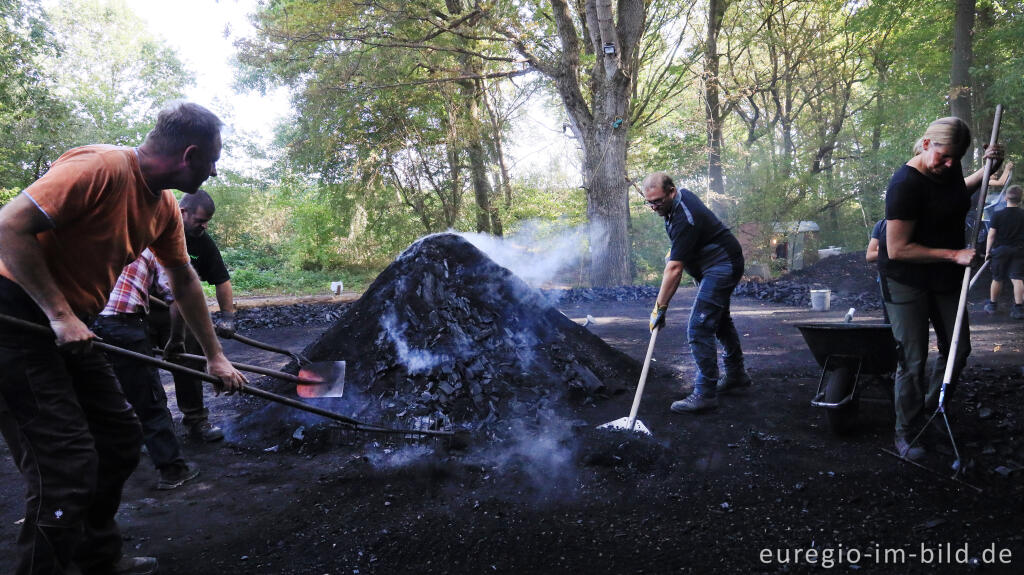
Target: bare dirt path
{"type": "Point", "coordinates": [742, 489]}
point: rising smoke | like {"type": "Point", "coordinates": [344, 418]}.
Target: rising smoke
{"type": "Point", "coordinates": [536, 253]}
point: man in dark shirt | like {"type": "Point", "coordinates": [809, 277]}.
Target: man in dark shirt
{"type": "Point", "coordinates": [196, 211]}
{"type": "Point", "coordinates": [707, 250]}
{"type": "Point", "coordinates": [1004, 247]}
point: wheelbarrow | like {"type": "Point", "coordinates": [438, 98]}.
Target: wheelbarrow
{"type": "Point", "coordinates": [850, 355]}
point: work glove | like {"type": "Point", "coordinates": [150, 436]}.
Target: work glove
{"type": "Point", "coordinates": [225, 324]}
{"type": "Point", "coordinates": [658, 316]}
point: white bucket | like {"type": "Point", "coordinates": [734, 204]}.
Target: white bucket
{"type": "Point", "coordinates": [821, 299]}
{"type": "Point", "coordinates": [337, 287]}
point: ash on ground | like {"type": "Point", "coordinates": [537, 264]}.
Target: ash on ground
{"type": "Point", "coordinates": [444, 334]}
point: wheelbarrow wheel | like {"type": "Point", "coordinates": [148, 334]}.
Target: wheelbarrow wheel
{"type": "Point", "coordinates": [839, 384]}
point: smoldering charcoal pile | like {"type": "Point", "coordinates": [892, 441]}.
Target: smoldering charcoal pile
{"type": "Point", "coordinates": [444, 332]}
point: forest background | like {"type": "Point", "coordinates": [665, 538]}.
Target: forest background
{"type": "Point", "coordinates": [407, 117]}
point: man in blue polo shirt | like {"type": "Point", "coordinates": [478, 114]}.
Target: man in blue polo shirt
{"type": "Point", "coordinates": [705, 248]}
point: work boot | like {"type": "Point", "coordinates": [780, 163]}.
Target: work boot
{"type": "Point", "coordinates": [990, 306]}
{"type": "Point", "coordinates": [1017, 311]}
{"type": "Point", "coordinates": [729, 385]}
{"type": "Point", "coordinates": [204, 431]}
{"type": "Point", "coordinates": [135, 566]}
{"type": "Point", "coordinates": [694, 403]}
{"type": "Point", "coordinates": [176, 475]}
{"type": "Point", "coordinates": [905, 451]}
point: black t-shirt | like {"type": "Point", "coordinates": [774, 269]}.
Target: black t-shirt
{"type": "Point", "coordinates": [1009, 226]}
{"type": "Point", "coordinates": [938, 210]}
{"type": "Point", "coordinates": [206, 259]}
{"type": "Point", "coordinates": [878, 233]}
{"type": "Point", "coordinates": [699, 238]}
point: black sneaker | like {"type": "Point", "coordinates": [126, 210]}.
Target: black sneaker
{"type": "Point", "coordinates": [990, 306]}
{"type": "Point", "coordinates": [204, 431]}
{"type": "Point", "coordinates": [1017, 311]}
{"type": "Point", "coordinates": [136, 566]}
{"type": "Point", "coordinates": [728, 385]}
{"type": "Point", "coordinates": [174, 476]}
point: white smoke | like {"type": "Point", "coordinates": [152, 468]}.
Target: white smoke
{"type": "Point", "coordinates": [414, 360]}
{"type": "Point", "coordinates": [536, 253]}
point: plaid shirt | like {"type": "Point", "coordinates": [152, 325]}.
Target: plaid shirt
{"type": "Point", "coordinates": [131, 292]}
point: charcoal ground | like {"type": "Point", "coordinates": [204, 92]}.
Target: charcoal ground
{"type": "Point", "coordinates": [716, 493]}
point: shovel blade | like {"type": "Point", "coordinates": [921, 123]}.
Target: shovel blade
{"type": "Point", "coordinates": [623, 424]}
{"type": "Point", "coordinates": [327, 379]}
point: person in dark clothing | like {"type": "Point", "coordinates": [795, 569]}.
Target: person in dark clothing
{"type": "Point", "coordinates": [925, 208]}
{"type": "Point", "coordinates": [63, 242]}
{"type": "Point", "coordinates": [1004, 247]}
{"type": "Point", "coordinates": [123, 322]}
{"type": "Point", "coordinates": [196, 211]}
{"type": "Point", "coordinates": [876, 253]}
{"type": "Point", "coordinates": [705, 248]}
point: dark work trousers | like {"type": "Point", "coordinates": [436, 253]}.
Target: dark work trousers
{"type": "Point", "coordinates": [142, 387]}
{"type": "Point", "coordinates": [911, 310]}
{"type": "Point", "coordinates": [188, 390]}
{"type": "Point", "coordinates": [73, 437]}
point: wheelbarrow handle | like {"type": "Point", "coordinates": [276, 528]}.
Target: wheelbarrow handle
{"type": "Point", "coordinates": [173, 367]}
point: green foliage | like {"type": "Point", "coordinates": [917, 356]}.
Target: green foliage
{"type": "Point", "coordinates": [7, 195]}
{"type": "Point", "coordinates": [116, 74]}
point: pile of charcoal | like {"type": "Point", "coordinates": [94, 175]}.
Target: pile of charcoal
{"type": "Point", "coordinates": [586, 295]}
{"type": "Point", "coordinates": [311, 314]}
{"type": "Point", "coordinates": [851, 280]}
{"type": "Point", "coordinates": [799, 295]}
{"type": "Point", "coordinates": [444, 333]}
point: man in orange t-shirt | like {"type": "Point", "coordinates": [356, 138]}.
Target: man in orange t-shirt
{"type": "Point", "coordinates": [63, 243]}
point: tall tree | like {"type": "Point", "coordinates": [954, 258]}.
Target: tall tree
{"type": "Point", "coordinates": [34, 121]}
{"type": "Point", "coordinates": [960, 75]}
{"type": "Point", "coordinates": [113, 71]}
{"type": "Point", "coordinates": [593, 53]}
{"type": "Point", "coordinates": [716, 181]}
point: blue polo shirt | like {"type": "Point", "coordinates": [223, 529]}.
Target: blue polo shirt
{"type": "Point", "coordinates": [699, 239]}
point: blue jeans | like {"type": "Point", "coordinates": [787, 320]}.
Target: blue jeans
{"type": "Point", "coordinates": [710, 320]}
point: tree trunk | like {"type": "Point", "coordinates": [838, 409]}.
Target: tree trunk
{"type": "Point", "coordinates": [716, 181]}
{"type": "Point", "coordinates": [608, 33]}
{"type": "Point", "coordinates": [960, 76]}
{"type": "Point", "coordinates": [607, 206]}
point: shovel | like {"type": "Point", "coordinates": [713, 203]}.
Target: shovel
{"type": "Point", "coordinates": [348, 422]}
{"type": "Point", "coordinates": [631, 423]}
{"type": "Point", "coordinates": [315, 379]}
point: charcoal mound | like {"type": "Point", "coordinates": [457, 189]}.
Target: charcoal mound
{"type": "Point", "coordinates": [446, 333]}
{"type": "Point", "coordinates": [851, 279]}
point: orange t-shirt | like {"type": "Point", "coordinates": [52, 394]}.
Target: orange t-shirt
{"type": "Point", "coordinates": [103, 217]}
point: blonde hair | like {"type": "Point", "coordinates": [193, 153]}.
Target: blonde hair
{"type": "Point", "coordinates": [949, 131]}
{"type": "Point", "coordinates": [1013, 194]}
